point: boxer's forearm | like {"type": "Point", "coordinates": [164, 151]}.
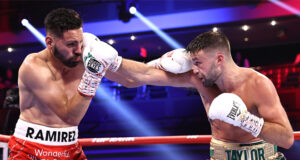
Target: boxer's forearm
{"type": "Point", "coordinates": [139, 72]}
{"type": "Point", "coordinates": [124, 80]}
{"type": "Point", "coordinates": [277, 134]}
{"type": "Point", "coordinates": [143, 74]}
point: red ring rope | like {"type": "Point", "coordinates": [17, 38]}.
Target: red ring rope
{"type": "Point", "coordinates": [199, 139]}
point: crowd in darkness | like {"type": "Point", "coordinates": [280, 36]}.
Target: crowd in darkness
{"type": "Point", "coordinates": [8, 79]}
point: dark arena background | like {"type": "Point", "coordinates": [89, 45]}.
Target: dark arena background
{"type": "Point", "coordinates": [264, 35]}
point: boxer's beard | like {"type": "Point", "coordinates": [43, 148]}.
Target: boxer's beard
{"type": "Point", "coordinates": [211, 77]}
{"type": "Point", "coordinates": [68, 62]}
{"type": "Point", "coordinates": [208, 82]}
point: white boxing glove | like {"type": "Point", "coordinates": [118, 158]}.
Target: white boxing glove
{"type": "Point", "coordinates": [90, 39]}
{"type": "Point", "coordinates": [97, 58]}
{"type": "Point", "coordinates": [175, 61]}
{"type": "Point", "coordinates": [231, 109]}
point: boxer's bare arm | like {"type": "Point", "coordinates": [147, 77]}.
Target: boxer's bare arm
{"type": "Point", "coordinates": [38, 79]}
{"type": "Point", "coordinates": [143, 74]}
{"type": "Point", "coordinates": [125, 81]}
{"type": "Point", "coordinates": [277, 128]}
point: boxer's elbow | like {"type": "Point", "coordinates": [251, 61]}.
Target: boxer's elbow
{"type": "Point", "coordinates": [286, 140]}
{"type": "Point", "coordinates": [289, 141]}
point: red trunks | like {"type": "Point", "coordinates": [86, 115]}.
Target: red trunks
{"type": "Point", "coordinates": [36, 142]}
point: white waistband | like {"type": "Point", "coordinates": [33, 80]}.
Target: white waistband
{"type": "Point", "coordinates": [46, 135]}
{"type": "Point", "coordinates": [232, 143]}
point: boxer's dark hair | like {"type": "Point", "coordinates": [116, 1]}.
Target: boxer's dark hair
{"type": "Point", "coordinates": [208, 40]}
{"type": "Point", "coordinates": [60, 20]}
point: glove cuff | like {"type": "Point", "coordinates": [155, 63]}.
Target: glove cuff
{"type": "Point", "coordinates": [251, 123]}
{"type": "Point", "coordinates": [116, 64]}
{"type": "Point", "coordinates": [89, 84]}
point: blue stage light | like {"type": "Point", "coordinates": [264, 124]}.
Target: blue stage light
{"type": "Point", "coordinates": [132, 10]}
{"type": "Point", "coordinates": [174, 44]}
{"type": "Point", "coordinates": [133, 118]}
{"type": "Point", "coordinates": [34, 31]}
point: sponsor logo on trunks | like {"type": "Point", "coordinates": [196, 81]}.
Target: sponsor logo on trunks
{"type": "Point", "coordinates": [253, 154]}
{"type": "Point", "coordinates": [234, 111]}
{"type": "Point", "coordinates": [42, 153]}
{"type": "Point", "coordinates": [50, 136]}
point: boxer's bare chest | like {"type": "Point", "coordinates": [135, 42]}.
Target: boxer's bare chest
{"type": "Point", "coordinates": [70, 82]}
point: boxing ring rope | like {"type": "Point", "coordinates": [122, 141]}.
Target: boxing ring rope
{"type": "Point", "coordinates": [146, 140]}
{"type": "Point", "coordinates": [187, 139]}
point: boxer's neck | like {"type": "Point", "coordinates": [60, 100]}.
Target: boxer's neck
{"type": "Point", "coordinates": [230, 77]}
{"type": "Point", "coordinates": [55, 63]}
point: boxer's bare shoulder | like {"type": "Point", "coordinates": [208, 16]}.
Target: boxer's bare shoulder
{"type": "Point", "coordinates": [258, 85]}
{"type": "Point", "coordinates": [33, 61]}
{"type": "Point", "coordinates": [33, 67]}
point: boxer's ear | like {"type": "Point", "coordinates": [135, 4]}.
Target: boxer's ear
{"type": "Point", "coordinates": [220, 58]}
{"type": "Point", "coordinates": [49, 41]}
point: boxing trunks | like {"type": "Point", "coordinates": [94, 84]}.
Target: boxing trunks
{"type": "Point", "coordinates": [259, 150]}
{"type": "Point", "coordinates": [37, 142]}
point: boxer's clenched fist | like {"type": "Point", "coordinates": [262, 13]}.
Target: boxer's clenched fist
{"type": "Point", "coordinates": [175, 61]}
{"type": "Point", "coordinates": [97, 58]}
{"type": "Point", "coordinates": [231, 109]}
